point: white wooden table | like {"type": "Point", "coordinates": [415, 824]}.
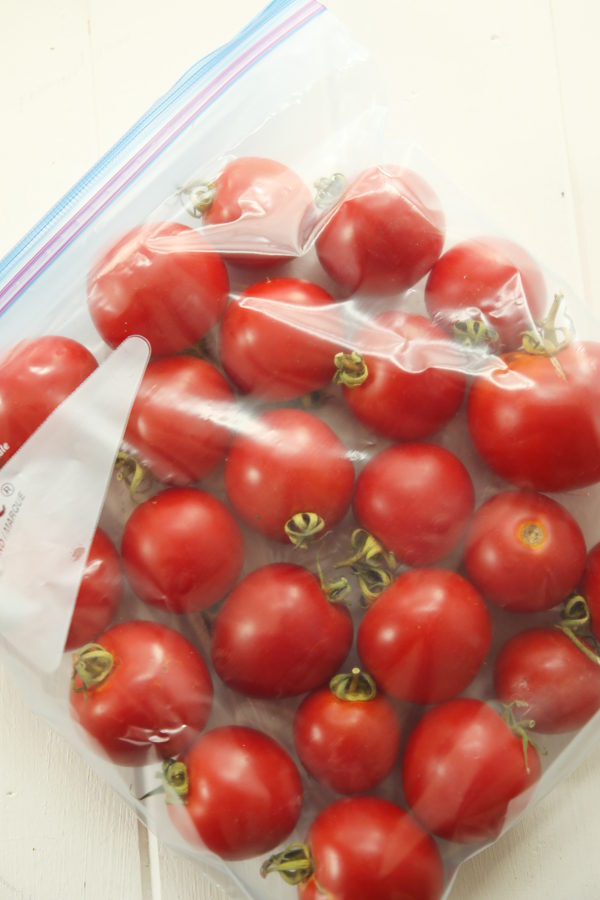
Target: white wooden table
{"type": "Point", "coordinates": [504, 96]}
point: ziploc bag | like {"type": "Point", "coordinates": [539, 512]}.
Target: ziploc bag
{"type": "Point", "coordinates": [124, 222]}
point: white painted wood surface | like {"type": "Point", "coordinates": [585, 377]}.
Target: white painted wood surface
{"type": "Point", "coordinates": [503, 96]}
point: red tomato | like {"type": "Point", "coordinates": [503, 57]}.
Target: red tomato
{"type": "Point", "coordinates": [426, 637]}
{"type": "Point", "coordinates": [99, 593]}
{"type": "Point", "coordinates": [524, 551]}
{"type": "Point", "coordinates": [556, 683]}
{"type": "Point", "coordinates": [278, 341]}
{"type": "Point", "coordinates": [385, 233]}
{"type": "Point", "coordinates": [288, 463]}
{"type": "Point", "coordinates": [346, 735]}
{"type": "Point", "coordinates": [490, 280]}
{"type": "Point", "coordinates": [259, 212]}
{"type": "Point", "coordinates": [162, 281]}
{"type": "Point", "coordinates": [410, 391]}
{"type": "Point", "coordinates": [466, 773]}
{"type": "Point", "coordinates": [590, 587]}
{"type": "Point", "coordinates": [182, 550]}
{"type": "Point", "coordinates": [148, 689]}
{"type": "Point", "coordinates": [244, 793]}
{"type": "Point", "coordinates": [277, 634]}
{"type": "Point", "coordinates": [35, 377]}
{"type": "Point", "coordinates": [417, 499]}
{"type": "Point", "coordinates": [181, 419]}
{"type": "Point", "coordinates": [535, 420]}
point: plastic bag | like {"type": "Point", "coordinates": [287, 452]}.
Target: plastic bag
{"type": "Point", "coordinates": [55, 481]}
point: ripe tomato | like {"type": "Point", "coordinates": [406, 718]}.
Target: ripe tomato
{"type": "Point", "coordinates": [417, 499]}
{"type": "Point", "coordinates": [465, 772]}
{"type": "Point", "coordinates": [258, 212]}
{"type": "Point", "coordinates": [288, 463]}
{"type": "Point", "coordinates": [535, 420]}
{"type": "Point", "coordinates": [244, 793]}
{"type": "Point", "coordinates": [556, 683]}
{"type": "Point", "coordinates": [162, 281]}
{"type": "Point", "coordinates": [385, 233]}
{"type": "Point", "coordinates": [489, 280]}
{"type": "Point", "coordinates": [35, 377]}
{"type": "Point", "coordinates": [426, 637]}
{"type": "Point", "coordinates": [278, 635]}
{"type": "Point", "coordinates": [278, 341]}
{"type": "Point", "coordinates": [524, 551]}
{"type": "Point", "coordinates": [365, 847]}
{"type": "Point", "coordinates": [180, 422]}
{"type": "Point", "coordinates": [346, 735]}
{"type": "Point", "coordinates": [410, 390]}
{"type": "Point", "coordinates": [182, 550]}
{"type": "Point", "coordinates": [590, 588]}
{"type": "Point", "coordinates": [99, 593]}
{"type": "Point", "coordinates": [141, 687]}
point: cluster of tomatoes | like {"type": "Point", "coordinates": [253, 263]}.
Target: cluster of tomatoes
{"type": "Point", "coordinates": [486, 352]}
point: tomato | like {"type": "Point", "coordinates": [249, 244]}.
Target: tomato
{"type": "Point", "coordinates": [258, 212]}
{"type": "Point", "coordinates": [535, 420]}
{"type": "Point", "coordinates": [489, 280]}
{"type": "Point", "coordinates": [244, 793]}
{"type": "Point", "coordinates": [385, 233]}
{"type": "Point", "coordinates": [426, 636]}
{"type": "Point", "coordinates": [182, 550]}
{"type": "Point", "coordinates": [346, 735]}
{"type": "Point", "coordinates": [278, 635]}
{"type": "Point", "coordinates": [366, 847]}
{"type": "Point", "coordinates": [181, 419]}
{"type": "Point", "coordinates": [99, 593]}
{"type": "Point", "coordinates": [278, 341]}
{"type": "Point", "coordinates": [554, 682]}
{"type": "Point", "coordinates": [524, 551]}
{"type": "Point", "coordinates": [411, 390]}
{"type": "Point", "coordinates": [287, 464]}
{"type": "Point", "coordinates": [466, 773]}
{"type": "Point", "coordinates": [590, 587]}
{"type": "Point", "coordinates": [141, 688]}
{"type": "Point", "coordinates": [35, 377]}
{"type": "Point", "coordinates": [417, 499]}
{"type": "Point", "coordinates": [162, 281]}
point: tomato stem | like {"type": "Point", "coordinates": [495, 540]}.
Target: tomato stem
{"type": "Point", "coordinates": [547, 338]}
{"type": "Point", "coordinates": [294, 864]}
{"type": "Point", "coordinates": [351, 369]}
{"type": "Point", "coordinates": [353, 686]}
{"type": "Point", "coordinates": [130, 471]}
{"type": "Point", "coordinates": [575, 620]}
{"type": "Point", "coordinates": [474, 333]}
{"type": "Point", "coordinates": [302, 528]}
{"type": "Point", "coordinates": [371, 564]}
{"type": "Point", "coordinates": [336, 591]}
{"type": "Point", "coordinates": [92, 665]}
{"type": "Point", "coordinates": [197, 197]}
{"type": "Point", "coordinates": [521, 728]}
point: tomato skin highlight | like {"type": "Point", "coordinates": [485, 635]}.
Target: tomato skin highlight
{"type": "Point", "coordinates": [277, 634]}
{"type": "Point", "coordinates": [161, 280]}
{"type": "Point", "coordinates": [384, 234]}
{"type": "Point", "coordinates": [462, 769]}
{"type": "Point", "coordinates": [155, 700]}
{"type": "Point", "coordinates": [182, 550]}
{"type": "Point", "coordinates": [35, 377]}
{"type": "Point", "coordinates": [426, 637]}
{"type": "Point", "coordinates": [242, 816]}
{"type": "Point", "coordinates": [524, 551]}
{"type": "Point", "coordinates": [417, 499]}
{"type": "Point", "coordinates": [99, 594]}
{"type": "Point", "coordinates": [535, 420]}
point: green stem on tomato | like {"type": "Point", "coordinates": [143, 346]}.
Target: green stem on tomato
{"type": "Point", "coordinates": [295, 864]}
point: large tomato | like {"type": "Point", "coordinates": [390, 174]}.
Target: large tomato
{"type": "Point", "coordinates": [278, 341]}
{"type": "Point", "coordinates": [99, 593]}
{"type": "Point", "coordinates": [242, 794]}
{"type": "Point", "coordinates": [278, 635]}
{"type": "Point", "coordinates": [162, 281]}
{"type": "Point", "coordinates": [524, 551]}
{"type": "Point", "coordinates": [488, 280]}
{"type": "Point", "coordinates": [385, 233]}
{"type": "Point", "coordinates": [180, 424]}
{"type": "Point", "coordinates": [35, 377]}
{"type": "Point", "coordinates": [410, 390]}
{"type": "Point", "coordinates": [426, 637]}
{"type": "Point", "coordinates": [182, 550]}
{"type": "Point", "coordinates": [535, 419]}
{"type": "Point", "coordinates": [288, 465]}
{"type": "Point", "coordinates": [417, 499]}
{"type": "Point", "coordinates": [142, 688]}
{"type": "Point", "coordinates": [465, 772]}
